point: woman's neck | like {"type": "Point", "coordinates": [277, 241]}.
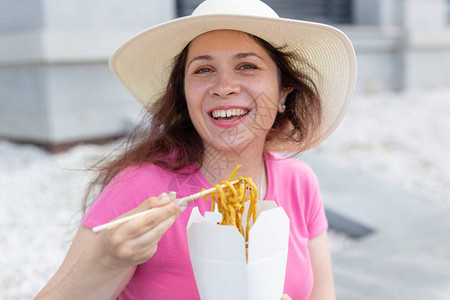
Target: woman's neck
{"type": "Point", "coordinates": [218, 165]}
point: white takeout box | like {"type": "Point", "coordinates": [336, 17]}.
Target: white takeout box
{"type": "Point", "coordinates": [218, 255]}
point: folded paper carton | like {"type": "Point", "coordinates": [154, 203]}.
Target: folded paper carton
{"type": "Point", "coordinates": [218, 255]}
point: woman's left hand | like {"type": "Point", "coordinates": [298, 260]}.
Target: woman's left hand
{"type": "Point", "coordinates": [286, 297]}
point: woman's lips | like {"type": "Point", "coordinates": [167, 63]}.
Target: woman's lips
{"type": "Point", "coordinates": [228, 116]}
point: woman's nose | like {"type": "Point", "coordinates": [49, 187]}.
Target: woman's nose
{"type": "Point", "coordinates": [225, 85]}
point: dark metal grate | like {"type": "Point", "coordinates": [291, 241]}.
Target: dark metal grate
{"type": "Point", "coordinates": [325, 11]}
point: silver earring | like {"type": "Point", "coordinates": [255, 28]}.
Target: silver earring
{"type": "Point", "coordinates": [283, 107]}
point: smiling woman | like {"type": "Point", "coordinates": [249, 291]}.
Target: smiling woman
{"type": "Point", "coordinates": [232, 84]}
{"type": "Point", "coordinates": [226, 74]}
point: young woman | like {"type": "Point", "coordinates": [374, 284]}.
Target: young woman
{"type": "Point", "coordinates": [229, 85]}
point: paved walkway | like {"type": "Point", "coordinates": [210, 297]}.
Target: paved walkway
{"type": "Point", "coordinates": [407, 256]}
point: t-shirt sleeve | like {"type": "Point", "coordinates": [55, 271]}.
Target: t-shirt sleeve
{"type": "Point", "coordinates": [315, 213]}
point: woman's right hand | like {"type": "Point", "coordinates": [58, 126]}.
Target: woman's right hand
{"type": "Point", "coordinates": [136, 241]}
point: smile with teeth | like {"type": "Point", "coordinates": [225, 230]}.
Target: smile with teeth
{"type": "Point", "coordinates": [229, 114]}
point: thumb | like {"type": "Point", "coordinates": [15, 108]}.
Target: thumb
{"type": "Point", "coordinates": [152, 202]}
{"type": "Point", "coordinates": [149, 203]}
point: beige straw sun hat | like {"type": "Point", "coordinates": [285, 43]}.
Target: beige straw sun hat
{"type": "Point", "coordinates": [143, 63]}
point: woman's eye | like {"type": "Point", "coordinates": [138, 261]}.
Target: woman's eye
{"type": "Point", "coordinates": [247, 67]}
{"type": "Point", "coordinates": [203, 70]}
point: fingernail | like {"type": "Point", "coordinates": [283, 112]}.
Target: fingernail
{"type": "Point", "coordinates": [164, 197]}
{"type": "Point", "coordinates": [172, 195]}
{"type": "Point", "coordinates": [181, 204]}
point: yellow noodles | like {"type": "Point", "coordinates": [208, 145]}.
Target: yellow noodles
{"type": "Point", "coordinates": [230, 201]}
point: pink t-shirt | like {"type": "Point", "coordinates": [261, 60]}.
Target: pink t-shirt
{"type": "Point", "coordinates": [168, 274]}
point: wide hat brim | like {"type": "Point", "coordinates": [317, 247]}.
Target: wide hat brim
{"type": "Point", "coordinates": [143, 63]}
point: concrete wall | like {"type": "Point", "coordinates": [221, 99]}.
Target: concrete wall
{"type": "Point", "coordinates": [55, 85]}
{"type": "Point", "coordinates": [379, 58]}
{"type": "Point", "coordinates": [401, 44]}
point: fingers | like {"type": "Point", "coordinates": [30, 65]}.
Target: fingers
{"type": "Point", "coordinates": [181, 204]}
{"type": "Point", "coordinates": [163, 199]}
{"type": "Point", "coordinates": [285, 297]}
{"type": "Point", "coordinates": [148, 241]}
{"type": "Point", "coordinates": [152, 202]}
{"type": "Point", "coordinates": [135, 241]}
{"type": "Point", "coordinates": [144, 206]}
{"type": "Point", "coordinates": [159, 210]}
{"type": "Point", "coordinates": [140, 249]}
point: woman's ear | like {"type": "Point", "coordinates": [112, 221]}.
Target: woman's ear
{"type": "Point", "coordinates": [283, 94]}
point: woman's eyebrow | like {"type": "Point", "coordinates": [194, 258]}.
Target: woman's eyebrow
{"type": "Point", "coordinates": [247, 54]}
{"type": "Point", "coordinates": [200, 57]}
{"type": "Point", "coordinates": [239, 55]}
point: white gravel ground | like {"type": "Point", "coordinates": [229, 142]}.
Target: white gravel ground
{"type": "Point", "coordinates": [402, 139]}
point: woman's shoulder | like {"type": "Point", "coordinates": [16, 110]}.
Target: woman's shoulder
{"type": "Point", "coordinates": [155, 179]}
{"type": "Point", "coordinates": [287, 165]}
{"type": "Point", "coordinates": [291, 172]}
{"type": "Point", "coordinates": [150, 174]}
{"type": "Point", "coordinates": [135, 174]}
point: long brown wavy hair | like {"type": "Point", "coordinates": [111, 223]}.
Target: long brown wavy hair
{"type": "Point", "coordinates": [166, 136]}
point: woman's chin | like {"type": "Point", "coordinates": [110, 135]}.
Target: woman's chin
{"type": "Point", "coordinates": [229, 147]}
{"type": "Point", "coordinates": [234, 140]}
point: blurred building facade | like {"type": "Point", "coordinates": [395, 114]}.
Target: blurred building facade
{"type": "Point", "coordinates": [56, 89]}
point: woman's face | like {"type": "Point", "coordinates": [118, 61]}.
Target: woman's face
{"type": "Point", "coordinates": [232, 89]}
